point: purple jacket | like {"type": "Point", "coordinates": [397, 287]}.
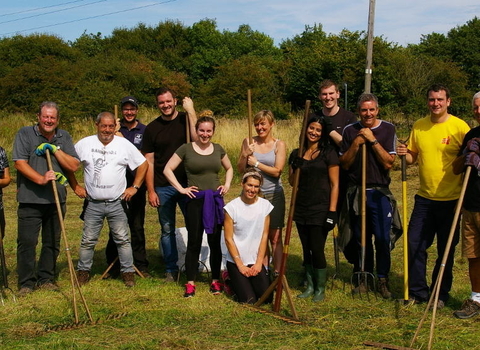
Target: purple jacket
{"type": "Point", "coordinates": [212, 209]}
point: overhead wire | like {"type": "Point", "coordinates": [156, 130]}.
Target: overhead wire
{"type": "Point", "coordinates": [38, 8]}
{"type": "Point", "coordinates": [55, 11]}
{"type": "Point", "coordinates": [91, 17]}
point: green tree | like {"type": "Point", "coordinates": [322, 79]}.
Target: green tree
{"type": "Point", "coordinates": [226, 93]}
{"type": "Point", "coordinates": [89, 44]}
{"type": "Point", "coordinates": [246, 41]}
{"type": "Point", "coordinates": [210, 50]}
{"type": "Point", "coordinates": [464, 43]}
{"type": "Point", "coordinates": [167, 43]}
{"type": "Point", "coordinates": [19, 50]}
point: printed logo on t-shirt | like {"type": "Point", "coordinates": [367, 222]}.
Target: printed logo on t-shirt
{"type": "Point", "coordinates": [138, 139]}
{"type": "Point", "coordinates": [99, 157]}
{"type": "Point", "coordinates": [446, 140]}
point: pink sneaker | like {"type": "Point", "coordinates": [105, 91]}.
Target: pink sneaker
{"type": "Point", "coordinates": [216, 288]}
{"type": "Point", "coordinates": [226, 283]}
{"type": "Point", "coordinates": [189, 290]}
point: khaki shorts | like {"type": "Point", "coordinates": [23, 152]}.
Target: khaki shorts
{"type": "Point", "coordinates": [471, 234]}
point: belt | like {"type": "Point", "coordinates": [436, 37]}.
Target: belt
{"type": "Point", "coordinates": [104, 200]}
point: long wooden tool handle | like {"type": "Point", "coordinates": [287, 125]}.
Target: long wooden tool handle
{"type": "Point", "coordinates": [363, 206]}
{"type": "Point", "coordinates": [187, 130]}
{"type": "Point", "coordinates": [249, 106]}
{"type": "Point", "coordinates": [288, 230]}
{"type": "Point", "coordinates": [405, 229]}
{"type": "Point", "coordinates": [73, 277]}
{"type": "Point", "coordinates": [436, 289]}
{"type": "Point", "coordinates": [2, 250]}
{"type": "Point", "coordinates": [446, 253]}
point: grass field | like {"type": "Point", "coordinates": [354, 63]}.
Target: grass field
{"type": "Point", "coordinates": [160, 318]}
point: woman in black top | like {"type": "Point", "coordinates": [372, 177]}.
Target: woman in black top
{"type": "Point", "coordinates": [315, 206]}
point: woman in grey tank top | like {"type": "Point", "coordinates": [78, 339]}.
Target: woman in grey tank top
{"type": "Point", "coordinates": [268, 155]}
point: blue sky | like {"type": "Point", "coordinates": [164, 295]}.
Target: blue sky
{"type": "Point", "coordinates": [400, 21]}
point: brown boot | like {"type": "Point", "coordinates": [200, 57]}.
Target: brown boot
{"type": "Point", "coordinates": [362, 286]}
{"type": "Point", "coordinates": [83, 277]}
{"type": "Point", "coordinates": [382, 288]}
{"type": "Point", "coordinates": [128, 278]}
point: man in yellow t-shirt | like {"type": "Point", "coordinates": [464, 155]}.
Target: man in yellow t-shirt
{"type": "Point", "coordinates": [434, 143]}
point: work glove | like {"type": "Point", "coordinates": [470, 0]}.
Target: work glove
{"type": "Point", "coordinates": [331, 220]}
{"type": "Point", "coordinates": [61, 179]}
{"type": "Point", "coordinates": [328, 125]}
{"type": "Point", "coordinates": [472, 159]}
{"type": "Point", "coordinates": [473, 145]}
{"type": "Point", "coordinates": [297, 162]}
{"type": "Point", "coordinates": [42, 149]}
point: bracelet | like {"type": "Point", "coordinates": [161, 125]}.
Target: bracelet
{"type": "Point", "coordinates": [256, 164]}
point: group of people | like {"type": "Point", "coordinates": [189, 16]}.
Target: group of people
{"type": "Point", "coordinates": [173, 161]}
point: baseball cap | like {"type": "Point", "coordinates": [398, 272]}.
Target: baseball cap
{"type": "Point", "coordinates": [129, 99]}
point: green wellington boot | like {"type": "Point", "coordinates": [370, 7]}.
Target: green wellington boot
{"type": "Point", "coordinates": [309, 276]}
{"type": "Point", "coordinates": [319, 281]}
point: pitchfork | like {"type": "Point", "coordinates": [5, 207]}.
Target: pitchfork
{"type": "Point", "coordinates": [363, 276]}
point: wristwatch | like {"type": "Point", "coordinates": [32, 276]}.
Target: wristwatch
{"type": "Point", "coordinates": [136, 187]}
{"type": "Point", "coordinates": [374, 142]}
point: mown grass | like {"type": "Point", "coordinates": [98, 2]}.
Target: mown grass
{"type": "Point", "coordinates": [160, 318]}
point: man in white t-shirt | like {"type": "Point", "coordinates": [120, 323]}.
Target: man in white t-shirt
{"type": "Point", "coordinates": [105, 158]}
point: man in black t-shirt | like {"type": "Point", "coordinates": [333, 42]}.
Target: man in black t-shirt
{"type": "Point", "coordinates": [161, 139]}
{"type": "Point", "coordinates": [337, 118]}
{"type": "Point", "coordinates": [469, 156]}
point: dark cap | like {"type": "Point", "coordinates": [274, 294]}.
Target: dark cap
{"type": "Point", "coordinates": [129, 99]}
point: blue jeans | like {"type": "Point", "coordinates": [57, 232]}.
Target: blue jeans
{"type": "Point", "coordinates": [95, 213]}
{"type": "Point", "coordinates": [32, 218]}
{"type": "Point", "coordinates": [169, 198]}
{"type": "Point", "coordinates": [430, 218]}
{"type": "Point", "coordinates": [136, 222]}
{"type": "Point", "coordinates": [379, 214]}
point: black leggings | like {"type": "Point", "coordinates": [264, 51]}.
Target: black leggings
{"type": "Point", "coordinates": [248, 289]}
{"type": "Point", "coordinates": [194, 223]}
{"type": "Point", "coordinates": [313, 239]}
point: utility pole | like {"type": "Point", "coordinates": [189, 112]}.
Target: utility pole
{"type": "Point", "coordinates": [368, 69]}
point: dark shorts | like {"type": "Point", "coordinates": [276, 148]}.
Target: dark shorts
{"type": "Point", "coordinates": [277, 215]}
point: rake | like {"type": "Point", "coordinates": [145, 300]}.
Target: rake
{"type": "Point", "coordinates": [73, 275]}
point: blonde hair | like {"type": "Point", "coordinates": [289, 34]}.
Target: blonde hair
{"type": "Point", "coordinates": [205, 113]}
{"type": "Point", "coordinates": [264, 115]}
